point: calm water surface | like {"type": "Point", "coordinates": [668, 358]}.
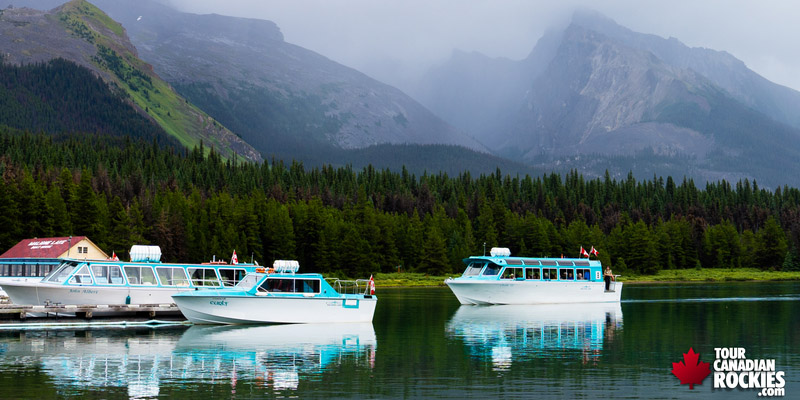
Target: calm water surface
{"type": "Point", "coordinates": [424, 344]}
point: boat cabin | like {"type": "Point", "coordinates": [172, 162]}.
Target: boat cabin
{"type": "Point", "coordinates": [501, 266]}
{"type": "Point", "coordinates": [115, 273]}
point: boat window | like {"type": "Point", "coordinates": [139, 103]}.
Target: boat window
{"type": "Point", "coordinates": [278, 285]}
{"type": "Point", "coordinates": [107, 274]}
{"type": "Point", "coordinates": [582, 274]}
{"type": "Point", "coordinates": [140, 275]}
{"type": "Point", "coordinates": [548, 262]}
{"type": "Point", "coordinates": [513, 261]}
{"type": "Point", "coordinates": [307, 285]}
{"type": "Point", "coordinates": [231, 276]}
{"type": "Point", "coordinates": [532, 273]}
{"type": "Point", "coordinates": [531, 262]}
{"type": "Point", "coordinates": [565, 263]}
{"type": "Point", "coordinates": [549, 273]}
{"type": "Point", "coordinates": [581, 263]}
{"type": "Point", "coordinates": [566, 274]}
{"type": "Point", "coordinates": [172, 276]}
{"type": "Point", "coordinates": [511, 273]}
{"type": "Point", "coordinates": [82, 277]}
{"type": "Point", "coordinates": [61, 273]}
{"type": "Point", "coordinates": [491, 269]}
{"type": "Point", "coordinates": [203, 277]}
{"type": "Point", "coordinates": [248, 282]}
{"type": "Point", "coordinates": [474, 268]}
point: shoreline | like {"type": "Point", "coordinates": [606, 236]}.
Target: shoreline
{"type": "Point", "coordinates": [690, 276]}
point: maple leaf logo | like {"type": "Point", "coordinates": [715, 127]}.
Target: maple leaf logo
{"type": "Point", "coordinates": [691, 370]}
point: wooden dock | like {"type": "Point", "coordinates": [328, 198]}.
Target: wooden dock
{"type": "Point", "coordinates": [85, 311]}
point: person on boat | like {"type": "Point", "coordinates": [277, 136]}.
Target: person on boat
{"type": "Point", "coordinates": [608, 276]}
{"type": "Point", "coordinates": [580, 276]}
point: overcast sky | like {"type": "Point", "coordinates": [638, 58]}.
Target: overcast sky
{"type": "Point", "coordinates": [393, 40]}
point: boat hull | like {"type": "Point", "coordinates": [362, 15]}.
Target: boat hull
{"type": "Point", "coordinates": [10, 280]}
{"type": "Point", "coordinates": [473, 291]}
{"type": "Point", "coordinates": [41, 293]}
{"type": "Point", "coordinates": [275, 309]}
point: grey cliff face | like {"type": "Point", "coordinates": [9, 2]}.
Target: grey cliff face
{"type": "Point", "coordinates": [246, 64]}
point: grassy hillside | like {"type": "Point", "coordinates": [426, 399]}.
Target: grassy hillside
{"type": "Point", "coordinates": [116, 58]}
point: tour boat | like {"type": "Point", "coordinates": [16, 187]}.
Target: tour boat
{"type": "Point", "coordinates": [143, 280]}
{"type": "Point", "coordinates": [281, 296]}
{"type": "Point", "coordinates": [502, 279]}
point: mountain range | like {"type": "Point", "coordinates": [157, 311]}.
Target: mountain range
{"type": "Point", "coordinates": [282, 98]}
{"type": "Point", "coordinates": [592, 96]}
{"type": "Point", "coordinates": [596, 96]}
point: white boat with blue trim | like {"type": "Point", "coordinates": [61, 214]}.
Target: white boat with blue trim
{"type": "Point", "coordinates": [143, 280]}
{"type": "Point", "coordinates": [502, 279]}
{"type": "Point", "coordinates": [281, 296]}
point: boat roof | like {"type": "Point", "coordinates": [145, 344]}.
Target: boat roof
{"type": "Point", "coordinates": [158, 263]}
{"type": "Point", "coordinates": [507, 260]}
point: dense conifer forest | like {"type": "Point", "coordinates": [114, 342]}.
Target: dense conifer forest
{"type": "Point", "coordinates": [121, 191]}
{"type": "Point", "coordinates": [60, 96]}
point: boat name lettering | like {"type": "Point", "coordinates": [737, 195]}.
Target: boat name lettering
{"type": "Point", "coordinates": [218, 303]}
{"type": "Point", "coordinates": [333, 303]}
{"type": "Point", "coordinates": [84, 291]}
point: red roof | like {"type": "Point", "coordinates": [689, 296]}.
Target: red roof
{"type": "Point", "coordinates": [42, 247]}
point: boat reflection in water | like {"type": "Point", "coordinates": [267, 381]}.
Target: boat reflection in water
{"type": "Point", "coordinates": [504, 333]}
{"type": "Point", "coordinates": [278, 355]}
{"type": "Point", "coordinates": [78, 360]}
{"type": "Point", "coordinates": [142, 362]}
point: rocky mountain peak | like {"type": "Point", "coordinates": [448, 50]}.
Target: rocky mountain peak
{"type": "Point", "coordinates": [595, 88]}
{"type": "Point", "coordinates": [81, 33]}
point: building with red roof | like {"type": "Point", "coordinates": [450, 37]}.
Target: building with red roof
{"type": "Point", "coordinates": [36, 257]}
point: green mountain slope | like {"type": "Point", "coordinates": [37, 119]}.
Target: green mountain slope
{"type": "Point", "coordinates": [80, 32]}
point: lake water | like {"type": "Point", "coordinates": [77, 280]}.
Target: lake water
{"type": "Point", "coordinates": [423, 344]}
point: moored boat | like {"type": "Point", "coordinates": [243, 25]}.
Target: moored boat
{"type": "Point", "coordinates": [143, 280]}
{"type": "Point", "coordinates": [502, 279]}
{"type": "Point", "coordinates": [281, 296]}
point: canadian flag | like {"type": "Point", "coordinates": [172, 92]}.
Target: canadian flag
{"type": "Point", "coordinates": [371, 285]}
{"type": "Point", "coordinates": [114, 256]}
{"type": "Point", "coordinates": [234, 259]}
{"type": "Point", "coordinates": [584, 253]}
{"type": "Point", "coordinates": [593, 251]}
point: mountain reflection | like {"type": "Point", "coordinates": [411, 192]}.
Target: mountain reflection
{"type": "Point", "coordinates": [507, 333]}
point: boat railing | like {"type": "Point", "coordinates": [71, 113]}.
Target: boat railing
{"type": "Point", "coordinates": [613, 284]}
{"type": "Point", "coordinates": [351, 286]}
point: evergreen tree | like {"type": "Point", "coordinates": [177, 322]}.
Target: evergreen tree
{"type": "Point", "coordinates": [119, 240]}
{"type": "Point", "coordinates": [434, 259]}
{"type": "Point", "coordinates": [770, 245]}
{"type": "Point", "coordinates": [792, 261]}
